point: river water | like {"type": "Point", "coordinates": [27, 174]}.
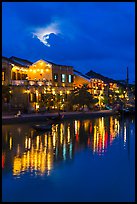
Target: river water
{"type": "Point", "coordinates": [78, 160]}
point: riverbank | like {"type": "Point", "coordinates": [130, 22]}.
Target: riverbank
{"type": "Point", "coordinates": [39, 117]}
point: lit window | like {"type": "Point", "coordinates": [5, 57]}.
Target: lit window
{"type": "Point", "coordinates": [70, 78]}
{"type": "Point", "coordinates": [13, 76]}
{"type": "Point", "coordinates": [55, 77]}
{"type": "Point", "coordinates": [63, 77]}
{"type": "Point", "coordinates": [32, 97]}
{"type": "Point", "coordinates": [3, 76]}
{"type": "Point", "coordinates": [18, 76]}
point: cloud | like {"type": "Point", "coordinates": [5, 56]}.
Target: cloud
{"type": "Point", "coordinates": [86, 35]}
{"type": "Point", "coordinates": [43, 34]}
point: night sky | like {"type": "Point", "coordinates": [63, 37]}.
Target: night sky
{"type": "Point", "coordinates": [89, 36]}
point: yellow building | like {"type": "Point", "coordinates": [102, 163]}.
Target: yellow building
{"type": "Point", "coordinates": [99, 89]}
{"type": "Point", "coordinates": [45, 77]}
{"type": "Point", "coordinates": [96, 86]}
{"type": "Point", "coordinates": [33, 83]}
{"type": "Point", "coordinates": [40, 71]}
{"type": "Point", "coordinates": [14, 73]}
{"type": "Point", "coordinates": [80, 79]}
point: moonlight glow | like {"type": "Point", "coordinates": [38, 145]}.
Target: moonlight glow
{"type": "Point", "coordinates": [43, 33]}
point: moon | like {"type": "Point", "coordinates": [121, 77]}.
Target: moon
{"type": "Point", "coordinates": [43, 34]}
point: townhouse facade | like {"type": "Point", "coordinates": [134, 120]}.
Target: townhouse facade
{"type": "Point", "coordinates": [32, 82]}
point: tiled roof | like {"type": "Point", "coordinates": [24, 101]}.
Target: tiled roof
{"type": "Point", "coordinates": [20, 61]}
{"type": "Point", "coordinates": [5, 58]}
{"type": "Point", "coordinates": [57, 64]}
{"type": "Point", "coordinates": [81, 75]}
{"type": "Point", "coordinates": [10, 61]}
{"type": "Point", "coordinates": [93, 74]}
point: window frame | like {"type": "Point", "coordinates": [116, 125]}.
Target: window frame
{"type": "Point", "coordinates": [63, 81]}
{"type": "Point", "coordinates": [55, 75]}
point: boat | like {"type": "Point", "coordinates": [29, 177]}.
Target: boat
{"type": "Point", "coordinates": [42, 127]}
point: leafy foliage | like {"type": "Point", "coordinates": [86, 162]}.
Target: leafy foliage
{"type": "Point", "coordinates": [81, 97]}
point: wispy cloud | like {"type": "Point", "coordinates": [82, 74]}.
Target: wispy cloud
{"type": "Point", "coordinates": [43, 33]}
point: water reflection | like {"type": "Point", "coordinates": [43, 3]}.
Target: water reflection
{"type": "Point", "coordinates": [27, 151]}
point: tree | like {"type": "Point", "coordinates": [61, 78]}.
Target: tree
{"type": "Point", "coordinates": [47, 100]}
{"type": "Point", "coordinates": [81, 97]}
{"type": "Point", "coordinates": [105, 100]}
{"type": "Point", "coordinates": [58, 100]}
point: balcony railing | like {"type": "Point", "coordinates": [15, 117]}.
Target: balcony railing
{"type": "Point", "coordinates": [19, 82]}
{"type": "Point", "coordinates": [40, 83]}
{"type": "Point", "coordinates": [31, 83]}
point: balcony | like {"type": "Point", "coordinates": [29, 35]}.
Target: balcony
{"type": "Point", "coordinates": [19, 82]}
{"type": "Point", "coordinates": [30, 83]}
{"type": "Point", "coordinates": [40, 83]}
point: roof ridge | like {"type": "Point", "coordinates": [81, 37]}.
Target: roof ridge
{"type": "Point", "coordinates": [20, 59]}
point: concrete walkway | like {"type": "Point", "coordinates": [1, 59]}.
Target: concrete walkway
{"type": "Point", "coordinates": [42, 116]}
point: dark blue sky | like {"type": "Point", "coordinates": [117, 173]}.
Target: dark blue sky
{"type": "Point", "coordinates": [94, 36]}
